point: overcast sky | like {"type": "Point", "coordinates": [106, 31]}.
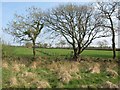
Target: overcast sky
{"type": "Point", "coordinates": [8, 10]}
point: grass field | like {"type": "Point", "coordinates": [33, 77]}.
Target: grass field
{"type": "Point", "coordinates": [22, 51]}
{"type": "Point", "coordinates": [47, 72]}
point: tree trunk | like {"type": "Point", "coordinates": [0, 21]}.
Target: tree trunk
{"type": "Point", "coordinates": [75, 54]}
{"type": "Point", "coordinates": [34, 54]}
{"type": "Point", "coordinates": [79, 48]}
{"type": "Point", "coordinates": [113, 46]}
{"type": "Point", "coordinates": [113, 39]}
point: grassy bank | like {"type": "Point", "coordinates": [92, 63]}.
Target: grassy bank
{"type": "Point", "coordinates": [20, 71]}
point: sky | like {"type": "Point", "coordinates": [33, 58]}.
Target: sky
{"type": "Point", "coordinates": [10, 7]}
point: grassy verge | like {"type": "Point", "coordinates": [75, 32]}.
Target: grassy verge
{"type": "Point", "coordinates": [60, 74]}
{"type": "Point", "coordinates": [19, 71]}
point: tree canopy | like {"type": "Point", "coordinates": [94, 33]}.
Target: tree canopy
{"type": "Point", "coordinates": [78, 24]}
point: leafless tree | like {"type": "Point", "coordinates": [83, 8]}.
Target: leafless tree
{"type": "Point", "coordinates": [108, 11]}
{"type": "Point", "coordinates": [27, 27]}
{"type": "Point", "coordinates": [76, 24]}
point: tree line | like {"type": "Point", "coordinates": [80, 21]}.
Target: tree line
{"type": "Point", "coordinates": [79, 25]}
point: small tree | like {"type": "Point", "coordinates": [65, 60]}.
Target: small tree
{"type": "Point", "coordinates": [108, 11]}
{"type": "Point", "coordinates": [27, 27]}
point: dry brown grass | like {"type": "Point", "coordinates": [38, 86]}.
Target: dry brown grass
{"type": "Point", "coordinates": [16, 68]}
{"type": "Point", "coordinates": [65, 70]}
{"type": "Point", "coordinates": [109, 84]}
{"type": "Point", "coordinates": [43, 84]}
{"type": "Point", "coordinates": [64, 76]}
{"type": "Point", "coordinates": [28, 78]}
{"type": "Point", "coordinates": [74, 68]}
{"type": "Point", "coordinates": [5, 65]}
{"type": "Point", "coordinates": [111, 72]}
{"type": "Point", "coordinates": [22, 81]}
{"type": "Point", "coordinates": [13, 81]}
{"type": "Point", "coordinates": [53, 67]}
{"type": "Point", "coordinates": [95, 68]}
{"type": "Point", "coordinates": [28, 74]}
{"type": "Point", "coordinates": [22, 65]}
{"type": "Point", "coordinates": [66, 66]}
{"type": "Point", "coordinates": [35, 64]}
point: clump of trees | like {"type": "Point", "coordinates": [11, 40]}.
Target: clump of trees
{"type": "Point", "coordinates": [79, 25]}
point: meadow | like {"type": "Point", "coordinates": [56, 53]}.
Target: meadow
{"type": "Point", "coordinates": [53, 68]}
{"type": "Point", "coordinates": [23, 51]}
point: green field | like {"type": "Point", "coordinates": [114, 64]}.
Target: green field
{"type": "Point", "coordinates": [22, 51]}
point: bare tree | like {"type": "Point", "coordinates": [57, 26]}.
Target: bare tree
{"type": "Point", "coordinates": [76, 24]}
{"type": "Point", "coordinates": [108, 11]}
{"type": "Point", "coordinates": [27, 27]}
